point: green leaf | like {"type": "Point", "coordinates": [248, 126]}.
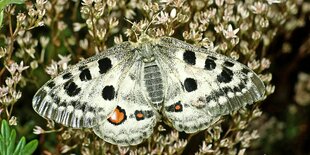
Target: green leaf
{"type": "Point", "coordinates": [8, 141]}
{"type": "Point", "coordinates": [20, 146]}
{"type": "Point", "coordinates": [11, 144]}
{"type": "Point", "coordinates": [4, 3]}
{"type": "Point", "coordinates": [1, 18]}
{"type": "Point", "coordinates": [30, 147]}
{"type": "Point", "coordinates": [5, 130]}
{"type": "Point", "coordinates": [5, 134]}
{"type": "Point", "coordinates": [2, 150]}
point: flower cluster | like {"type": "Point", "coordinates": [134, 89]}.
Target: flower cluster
{"type": "Point", "coordinates": [9, 94]}
{"type": "Point", "coordinates": [17, 31]}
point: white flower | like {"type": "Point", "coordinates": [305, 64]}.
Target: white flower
{"type": "Point", "coordinates": [41, 2]}
{"type": "Point", "coordinates": [173, 13]}
{"type": "Point", "coordinates": [3, 91]}
{"type": "Point", "coordinates": [163, 17]}
{"type": "Point", "coordinates": [78, 26]}
{"type": "Point", "coordinates": [38, 130]}
{"type": "Point", "coordinates": [13, 120]}
{"type": "Point", "coordinates": [52, 69]}
{"type": "Point", "coordinates": [273, 1]}
{"type": "Point", "coordinates": [63, 62]}
{"type": "Point", "coordinates": [258, 7]}
{"type": "Point", "coordinates": [30, 52]}
{"type": "Point", "coordinates": [230, 33]}
{"type": "Point", "coordinates": [44, 41]}
{"type": "Point", "coordinates": [12, 68]}
{"type": "Point", "coordinates": [16, 95]}
{"type": "Point", "coordinates": [87, 2]}
{"type": "Point", "coordinates": [21, 67]}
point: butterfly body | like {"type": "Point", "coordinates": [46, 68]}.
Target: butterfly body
{"type": "Point", "coordinates": [123, 92]}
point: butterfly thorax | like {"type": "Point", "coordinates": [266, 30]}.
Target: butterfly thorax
{"type": "Point", "coordinates": [146, 52]}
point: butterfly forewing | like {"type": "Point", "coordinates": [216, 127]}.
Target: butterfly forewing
{"type": "Point", "coordinates": [80, 96]}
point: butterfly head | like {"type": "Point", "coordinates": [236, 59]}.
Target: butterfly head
{"type": "Point", "coordinates": [145, 48]}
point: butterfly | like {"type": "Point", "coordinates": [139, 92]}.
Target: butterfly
{"type": "Point", "coordinates": [123, 92]}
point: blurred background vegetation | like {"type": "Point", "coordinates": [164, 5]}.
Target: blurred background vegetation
{"type": "Point", "coordinates": [39, 39]}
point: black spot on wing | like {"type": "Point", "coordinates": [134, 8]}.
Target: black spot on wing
{"type": "Point", "coordinates": [104, 65]}
{"type": "Point", "coordinates": [74, 103]}
{"type": "Point", "coordinates": [210, 63]}
{"type": "Point", "coordinates": [91, 109]}
{"type": "Point", "coordinates": [214, 95]}
{"type": "Point", "coordinates": [212, 57]}
{"type": "Point", "coordinates": [241, 86]}
{"type": "Point", "coordinates": [245, 70]}
{"type": "Point", "coordinates": [62, 104]}
{"type": "Point", "coordinates": [82, 107]}
{"type": "Point", "coordinates": [55, 98]}
{"type": "Point", "coordinates": [225, 76]}
{"type": "Point", "coordinates": [108, 92]}
{"type": "Point", "coordinates": [67, 76]}
{"type": "Point", "coordinates": [51, 84]}
{"type": "Point", "coordinates": [82, 67]}
{"type": "Point", "coordinates": [71, 88]}
{"type": "Point", "coordinates": [78, 105]}
{"type": "Point", "coordinates": [189, 57]}
{"type": "Point", "coordinates": [236, 89]}
{"type": "Point", "coordinates": [209, 98]}
{"type": "Point", "coordinates": [227, 90]}
{"type": "Point", "coordinates": [85, 75]}
{"type": "Point", "coordinates": [190, 84]}
{"type": "Point", "coordinates": [228, 63]}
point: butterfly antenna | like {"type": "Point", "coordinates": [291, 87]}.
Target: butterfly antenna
{"type": "Point", "coordinates": [132, 25]}
{"type": "Point", "coordinates": [148, 26]}
{"type": "Point", "coordinates": [151, 22]}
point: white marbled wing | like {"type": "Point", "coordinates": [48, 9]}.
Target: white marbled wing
{"type": "Point", "coordinates": [203, 85]}
{"type": "Point", "coordinates": [84, 94]}
{"type": "Point", "coordinates": [134, 118]}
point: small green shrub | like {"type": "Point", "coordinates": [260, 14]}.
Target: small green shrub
{"type": "Point", "coordinates": [8, 142]}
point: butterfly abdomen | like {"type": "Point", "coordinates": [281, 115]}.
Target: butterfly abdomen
{"type": "Point", "coordinates": [153, 83]}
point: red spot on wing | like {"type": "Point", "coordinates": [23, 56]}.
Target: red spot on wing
{"type": "Point", "coordinates": [178, 107]}
{"type": "Point", "coordinates": [118, 116]}
{"type": "Point", "coordinates": [140, 115]}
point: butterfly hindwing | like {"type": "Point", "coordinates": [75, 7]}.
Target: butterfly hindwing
{"type": "Point", "coordinates": [134, 118]}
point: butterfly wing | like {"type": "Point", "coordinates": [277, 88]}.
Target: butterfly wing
{"type": "Point", "coordinates": [134, 118]}
{"type": "Point", "coordinates": [204, 85]}
{"type": "Point", "coordinates": [85, 93]}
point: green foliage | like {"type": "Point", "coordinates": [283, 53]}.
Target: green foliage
{"type": "Point", "coordinates": [8, 145]}
{"type": "Point", "coordinates": [4, 3]}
